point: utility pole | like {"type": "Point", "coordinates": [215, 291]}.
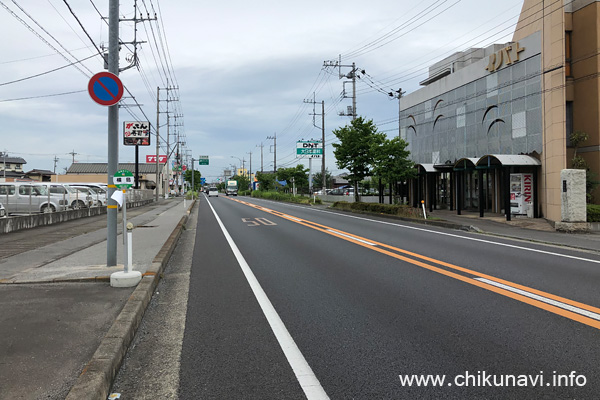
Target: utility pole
{"type": "Point", "coordinates": [250, 172]}
{"type": "Point", "coordinates": [55, 161]}
{"type": "Point", "coordinates": [274, 137]}
{"type": "Point", "coordinates": [350, 75]}
{"type": "Point", "coordinates": [398, 95]}
{"type": "Point", "coordinates": [133, 59]}
{"type": "Point", "coordinates": [322, 135]}
{"type": "Point", "coordinates": [261, 155]}
{"type": "Point", "coordinates": [167, 183]}
{"type": "Point", "coordinates": [113, 135]}
{"type": "Point", "coordinates": [157, 140]}
{"type": "Point", "coordinates": [168, 173]}
{"type": "Point", "coordinates": [73, 154]}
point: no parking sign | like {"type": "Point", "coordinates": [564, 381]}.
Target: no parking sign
{"type": "Point", "coordinates": [105, 88]}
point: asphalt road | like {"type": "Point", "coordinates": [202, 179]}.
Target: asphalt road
{"type": "Point", "coordinates": [361, 306]}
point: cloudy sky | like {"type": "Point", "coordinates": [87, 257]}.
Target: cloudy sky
{"type": "Point", "coordinates": [241, 71]}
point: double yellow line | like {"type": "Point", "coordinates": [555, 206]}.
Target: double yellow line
{"type": "Point", "coordinates": [567, 308]}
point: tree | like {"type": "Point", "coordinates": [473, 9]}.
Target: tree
{"type": "Point", "coordinates": [577, 138]}
{"type": "Point", "coordinates": [318, 180]}
{"type": "Point", "coordinates": [392, 163]}
{"type": "Point", "coordinates": [297, 175]}
{"type": "Point", "coordinates": [266, 181]}
{"type": "Point", "coordinates": [243, 182]}
{"type": "Point", "coordinates": [187, 175]}
{"type": "Point", "coordinates": [355, 150]}
{"type": "Point", "coordinates": [578, 162]}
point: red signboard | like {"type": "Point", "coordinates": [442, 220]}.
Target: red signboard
{"type": "Point", "coordinates": [152, 159]}
{"type": "Point", "coordinates": [528, 188]}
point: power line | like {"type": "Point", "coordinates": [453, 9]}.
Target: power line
{"type": "Point", "coordinates": [42, 96]}
{"type": "Point", "coordinates": [83, 28]}
{"type": "Point", "coordinates": [42, 39]}
{"type": "Point", "coordinates": [47, 72]}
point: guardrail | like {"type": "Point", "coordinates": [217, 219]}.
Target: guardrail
{"type": "Point", "coordinates": [135, 198]}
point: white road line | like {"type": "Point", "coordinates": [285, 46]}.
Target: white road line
{"type": "Point", "coordinates": [305, 375]}
{"type": "Point", "coordinates": [456, 236]}
{"type": "Point", "coordinates": [351, 237]}
{"type": "Point", "coordinates": [546, 300]}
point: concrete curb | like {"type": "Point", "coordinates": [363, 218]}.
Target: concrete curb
{"type": "Point", "coordinates": [441, 224]}
{"type": "Point", "coordinates": [95, 380]}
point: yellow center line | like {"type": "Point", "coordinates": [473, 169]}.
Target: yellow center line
{"type": "Point", "coordinates": [385, 249]}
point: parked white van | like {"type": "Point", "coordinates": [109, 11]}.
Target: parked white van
{"type": "Point", "coordinates": [27, 198]}
{"type": "Point", "coordinates": [67, 196]}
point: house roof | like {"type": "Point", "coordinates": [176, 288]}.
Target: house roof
{"type": "Point", "coordinates": [39, 172]}
{"type": "Point", "coordinates": [11, 174]}
{"type": "Point", "coordinates": [102, 168]}
{"type": "Point", "coordinates": [12, 160]}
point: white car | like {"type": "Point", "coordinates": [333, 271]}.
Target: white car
{"type": "Point", "coordinates": [213, 192]}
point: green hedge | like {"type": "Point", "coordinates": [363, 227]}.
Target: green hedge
{"type": "Point", "coordinates": [593, 213]}
{"type": "Point", "coordinates": [392, 209]}
{"type": "Point", "coordinates": [278, 196]}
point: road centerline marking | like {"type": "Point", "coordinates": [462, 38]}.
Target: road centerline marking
{"type": "Point", "coordinates": [517, 292]}
{"type": "Point", "coordinates": [338, 233]}
{"type": "Point", "coordinates": [556, 303]}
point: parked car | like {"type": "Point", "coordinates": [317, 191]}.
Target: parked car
{"type": "Point", "coordinates": [97, 198]}
{"type": "Point", "coordinates": [99, 195]}
{"type": "Point", "coordinates": [84, 195]}
{"type": "Point", "coordinates": [67, 197]}
{"type": "Point", "coordinates": [27, 198]}
{"type": "Point", "coordinates": [3, 213]}
{"type": "Point", "coordinates": [213, 192]}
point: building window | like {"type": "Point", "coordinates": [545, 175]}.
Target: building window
{"type": "Point", "coordinates": [568, 70]}
{"type": "Point", "coordinates": [569, 121]}
{"type": "Point", "coordinates": [461, 117]}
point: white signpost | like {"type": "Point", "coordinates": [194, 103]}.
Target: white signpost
{"type": "Point", "coordinates": [123, 180]}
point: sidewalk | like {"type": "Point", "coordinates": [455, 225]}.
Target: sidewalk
{"type": "Point", "coordinates": [60, 315]}
{"type": "Point", "coordinates": [529, 229]}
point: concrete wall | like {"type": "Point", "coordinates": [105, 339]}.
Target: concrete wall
{"type": "Point", "coordinates": [15, 223]}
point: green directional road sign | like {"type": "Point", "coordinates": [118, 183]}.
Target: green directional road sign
{"type": "Point", "coordinates": [202, 160]}
{"type": "Point", "coordinates": [123, 179]}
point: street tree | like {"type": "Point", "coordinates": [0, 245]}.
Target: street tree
{"type": "Point", "coordinates": [355, 151]}
{"type": "Point", "coordinates": [243, 182]}
{"type": "Point", "coordinates": [266, 181]}
{"type": "Point", "coordinates": [297, 175]}
{"type": "Point", "coordinates": [187, 175]}
{"type": "Point", "coordinates": [392, 163]}
{"type": "Point", "coordinates": [318, 180]}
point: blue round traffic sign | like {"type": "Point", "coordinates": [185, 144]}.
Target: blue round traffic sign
{"type": "Point", "coordinates": [105, 88]}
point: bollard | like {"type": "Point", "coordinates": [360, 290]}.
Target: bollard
{"type": "Point", "coordinates": [424, 213]}
{"type": "Point", "coordinates": [127, 277]}
{"type": "Point", "coordinates": [129, 247]}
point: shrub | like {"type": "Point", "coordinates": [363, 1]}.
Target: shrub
{"type": "Point", "coordinates": [278, 196]}
{"type": "Point", "coordinates": [593, 213]}
{"type": "Point", "coordinates": [391, 209]}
